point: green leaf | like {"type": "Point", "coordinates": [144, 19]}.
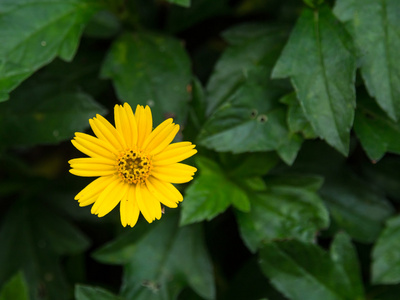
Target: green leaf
{"type": "Point", "coordinates": [165, 260]}
{"type": "Point", "coordinates": [251, 120]}
{"type": "Point", "coordinates": [385, 254]}
{"type": "Point", "coordinates": [41, 236]}
{"type": "Point", "coordinates": [150, 69]}
{"type": "Point", "coordinates": [34, 32]}
{"type": "Point", "coordinates": [355, 206]}
{"type": "Point", "coordinates": [15, 289]}
{"type": "Point", "coordinates": [375, 26]}
{"type": "Point", "coordinates": [250, 32]}
{"type": "Point", "coordinates": [119, 251]}
{"type": "Point", "coordinates": [258, 52]}
{"type": "Point", "coordinates": [320, 62]}
{"type": "Point", "coordinates": [313, 3]}
{"type": "Point", "coordinates": [184, 3]}
{"type": "Point", "coordinates": [298, 268]}
{"type": "Point", "coordinates": [377, 133]}
{"type": "Point", "coordinates": [344, 10]}
{"type": "Point", "coordinates": [211, 193]}
{"type": "Point", "coordinates": [48, 119]}
{"type": "Point", "coordinates": [343, 252]}
{"type": "Point", "coordinates": [84, 292]}
{"type": "Point", "coordinates": [289, 207]}
{"type": "Point", "coordinates": [249, 165]}
{"type": "Point", "coordinates": [296, 118]}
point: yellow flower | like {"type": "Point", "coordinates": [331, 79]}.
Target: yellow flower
{"type": "Point", "coordinates": [135, 164]}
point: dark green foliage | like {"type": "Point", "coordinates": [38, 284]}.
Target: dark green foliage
{"type": "Point", "coordinates": [320, 61]}
{"type": "Point", "coordinates": [294, 108]}
{"type": "Point", "coordinates": [15, 289]}
{"type": "Point", "coordinates": [150, 69]}
{"type": "Point", "coordinates": [297, 269]}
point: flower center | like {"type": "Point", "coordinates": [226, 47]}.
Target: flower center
{"type": "Point", "coordinates": [134, 166]}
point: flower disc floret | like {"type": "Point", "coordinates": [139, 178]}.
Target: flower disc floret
{"type": "Point", "coordinates": [134, 167]}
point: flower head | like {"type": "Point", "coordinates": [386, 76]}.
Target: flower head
{"type": "Point", "coordinates": [136, 165]}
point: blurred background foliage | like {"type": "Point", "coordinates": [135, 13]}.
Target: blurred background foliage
{"type": "Point", "coordinates": [294, 107]}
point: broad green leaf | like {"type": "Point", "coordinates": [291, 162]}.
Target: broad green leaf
{"type": "Point", "coordinates": [386, 254]}
{"type": "Point", "coordinates": [119, 251]}
{"type": "Point", "coordinates": [211, 193]}
{"type": "Point", "coordinates": [249, 165]}
{"type": "Point", "coordinates": [297, 269]}
{"type": "Point", "coordinates": [313, 3]}
{"type": "Point", "coordinates": [259, 52]}
{"type": "Point", "coordinates": [248, 32]}
{"type": "Point", "coordinates": [165, 260]}
{"type": "Point", "coordinates": [45, 119]}
{"type": "Point", "coordinates": [320, 62]}
{"type": "Point", "coordinates": [57, 106]}
{"type": "Point", "coordinates": [296, 119]}
{"type": "Point", "coordinates": [343, 252]}
{"type": "Point", "coordinates": [150, 69]}
{"type": "Point", "coordinates": [84, 292]}
{"type": "Point", "coordinates": [184, 3]}
{"type": "Point", "coordinates": [39, 234]}
{"type": "Point", "coordinates": [356, 206]}
{"type": "Point", "coordinates": [60, 235]}
{"type": "Point", "coordinates": [15, 288]}
{"type": "Point", "coordinates": [344, 10]}
{"type": "Point", "coordinates": [288, 208]}
{"type": "Point", "coordinates": [377, 133]}
{"type": "Point", "coordinates": [34, 32]}
{"type": "Point", "coordinates": [251, 120]}
{"type": "Point", "coordinates": [375, 26]}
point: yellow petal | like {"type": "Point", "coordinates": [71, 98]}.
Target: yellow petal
{"type": "Point", "coordinates": [109, 198]}
{"type": "Point", "coordinates": [174, 173]}
{"type": "Point", "coordinates": [106, 132]}
{"type": "Point", "coordinates": [166, 141]}
{"type": "Point", "coordinates": [143, 205]}
{"type": "Point", "coordinates": [166, 188]}
{"type": "Point", "coordinates": [153, 204]}
{"type": "Point", "coordinates": [123, 209]}
{"type": "Point", "coordinates": [113, 199]}
{"type": "Point", "coordinates": [93, 146]}
{"type": "Point", "coordinates": [172, 178]}
{"type": "Point", "coordinates": [131, 208]}
{"type": "Point", "coordinates": [92, 160]}
{"type": "Point", "coordinates": [104, 194]}
{"type": "Point", "coordinates": [157, 135]}
{"type": "Point", "coordinates": [144, 121]}
{"type": "Point", "coordinates": [95, 187]}
{"type": "Point", "coordinates": [132, 122]}
{"type": "Point", "coordinates": [88, 201]}
{"type": "Point", "coordinates": [174, 153]}
{"type": "Point", "coordinates": [125, 123]}
{"type": "Point", "coordinates": [91, 173]}
{"type": "Point", "coordinates": [170, 202]}
{"type": "Point", "coordinates": [94, 167]}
